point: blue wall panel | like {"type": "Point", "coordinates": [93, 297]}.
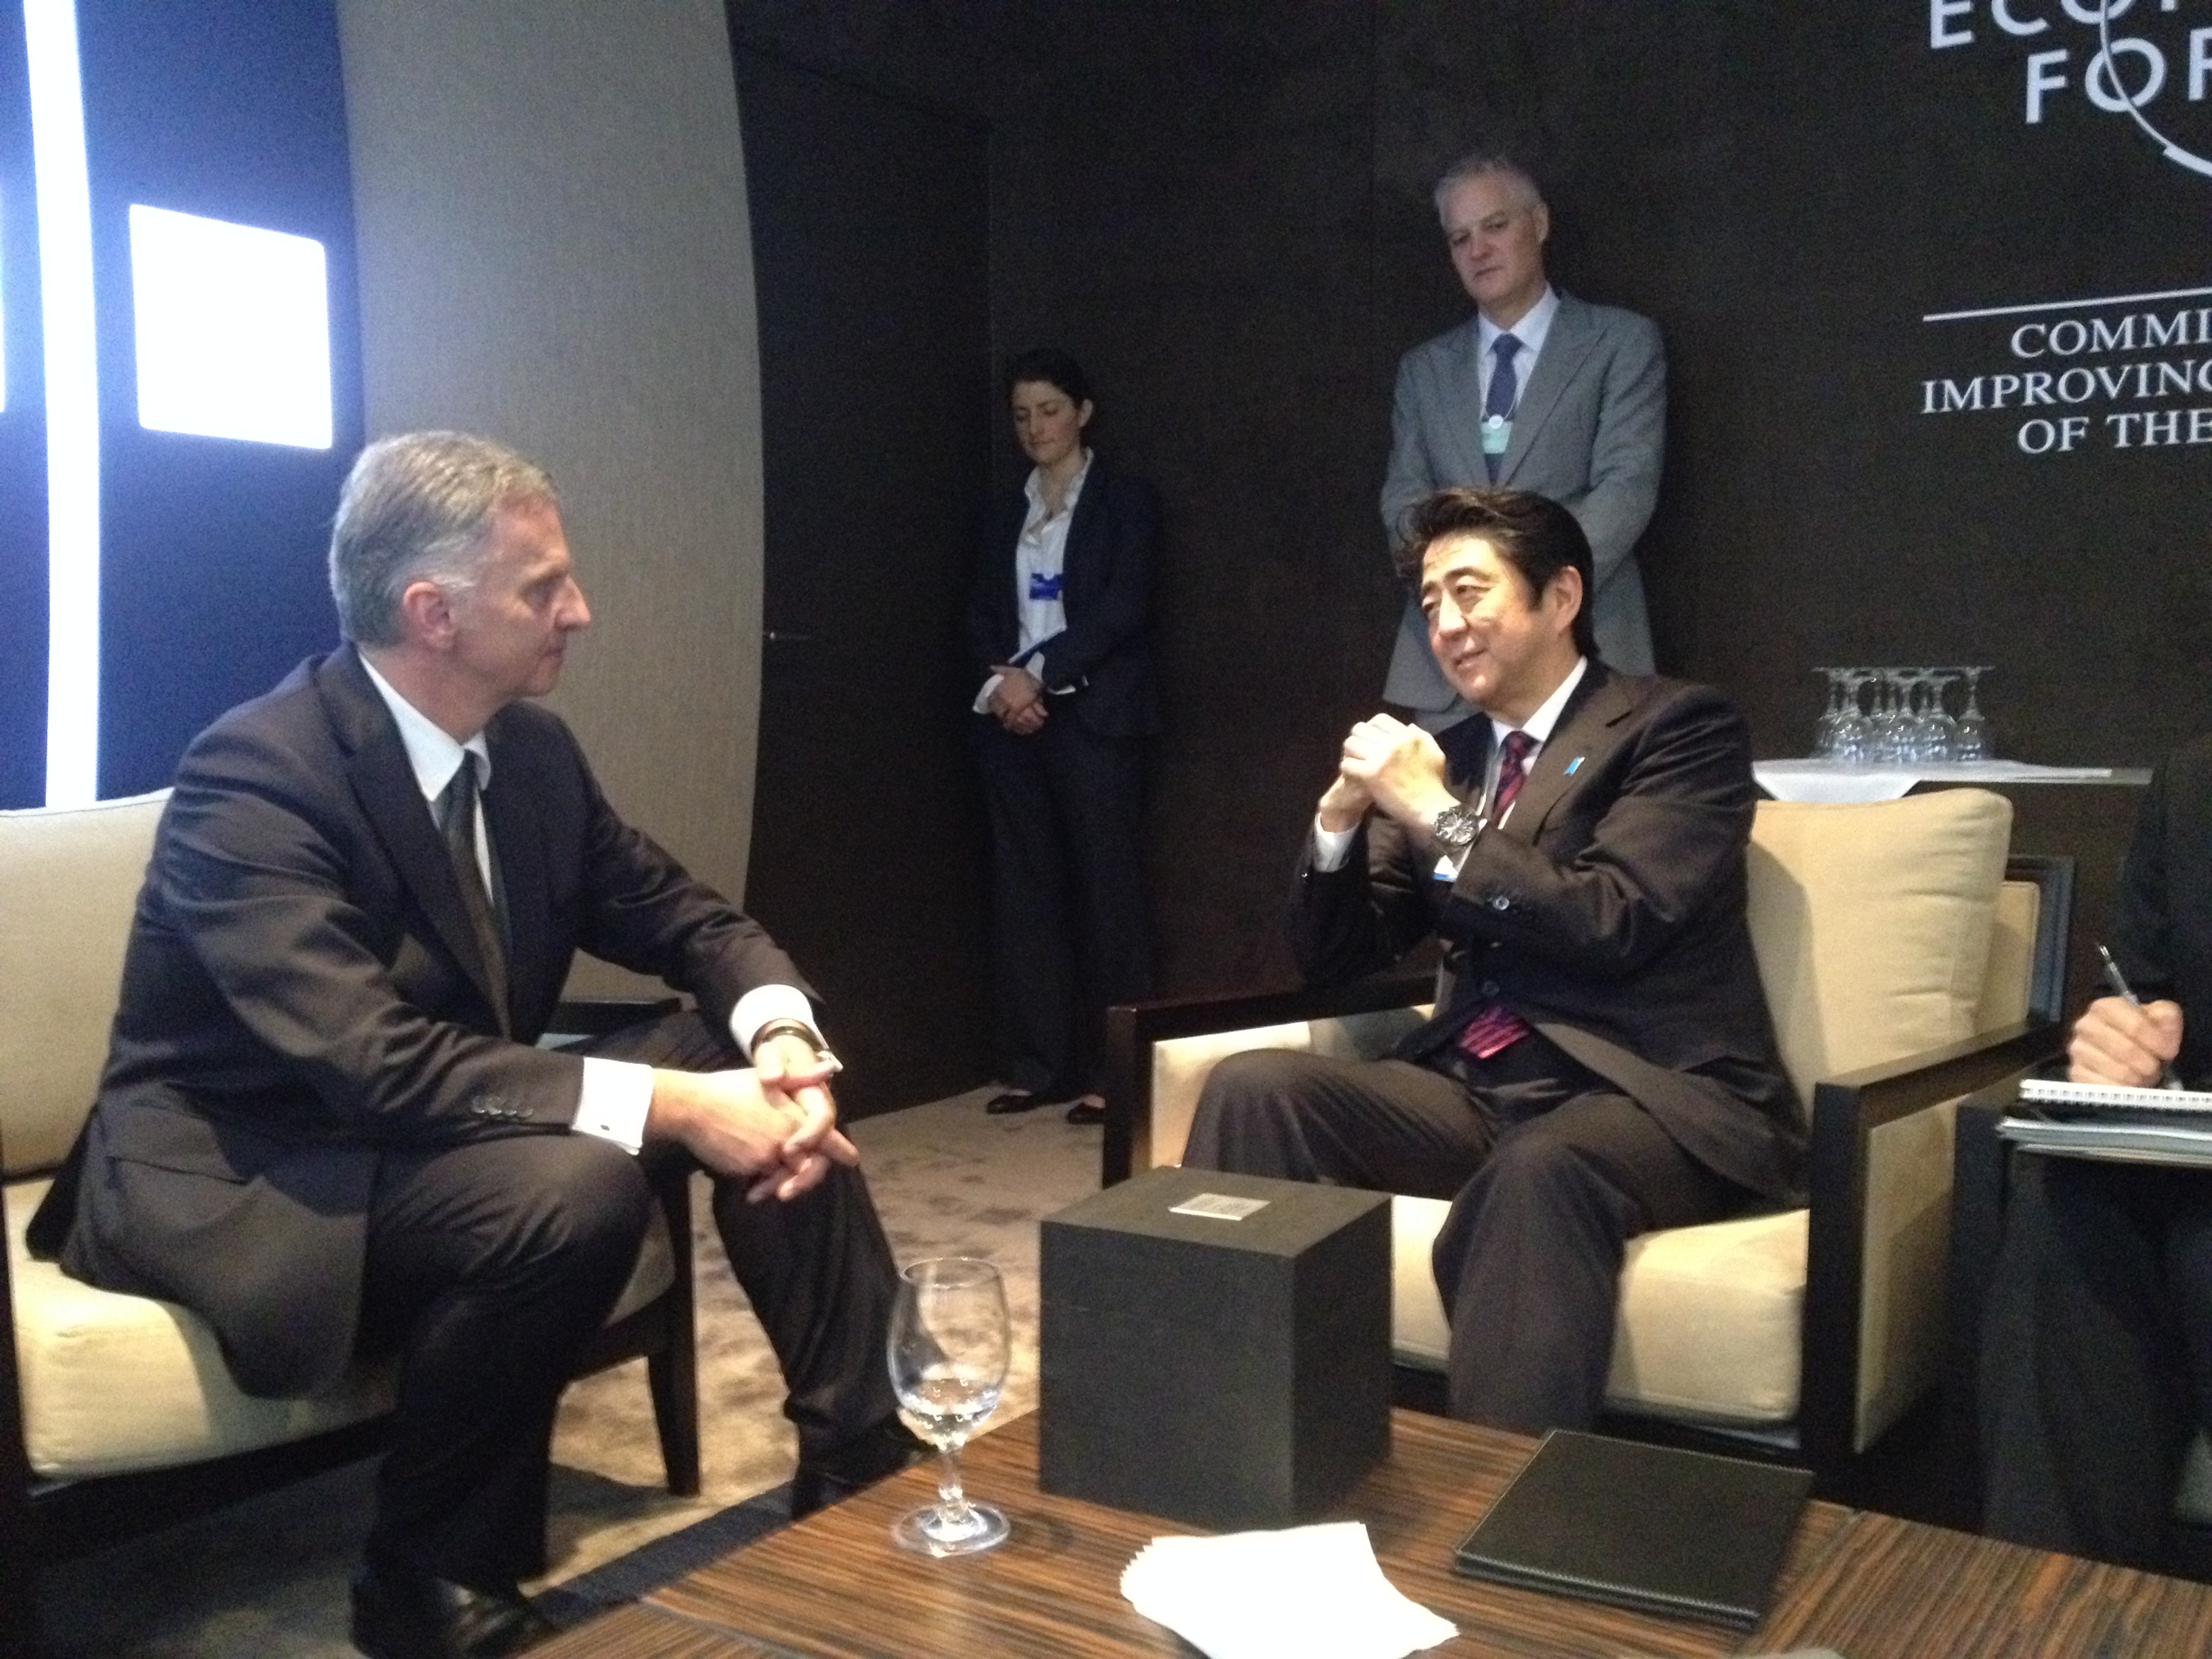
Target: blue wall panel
{"type": "Point", "coordinates": [213, 580]}
{"type": "Point", "coordinates": [22, 444]}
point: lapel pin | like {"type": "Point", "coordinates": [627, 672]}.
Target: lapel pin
{"type": "Point", "coordinates": [1573, 764]}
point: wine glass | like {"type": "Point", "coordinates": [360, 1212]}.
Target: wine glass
{"type": "Point", "coordinates": [948, 1358]}
{"type": "Point", "coordinates": [1973, 725]}
{"type": "Point", "coordinates": [1826, 729]}
{"type": "Point", "coordinates": [1855, 732]}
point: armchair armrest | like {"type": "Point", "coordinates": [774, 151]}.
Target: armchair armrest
{"type": "Point", "coordinates": [1837, 1418]}
{"type": "Point", "coordinates": [596, 1017]}
{"type": "Point", "coordinates": [600, 1015]}
{"type": "Point", "coordinates": [1132, 1029]}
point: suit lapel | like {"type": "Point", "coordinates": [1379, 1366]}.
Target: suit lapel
{"type": "Point", "coordinates": [1464, 401]}
{"type": "Point", "coordinates": [1083, 533]}
{"type": "Point", "coordinates": [384, 783]}
{"type": "Point", "coordinates": [1593, 721]}
{"type": "Point", "coordinates": [1567, 343]}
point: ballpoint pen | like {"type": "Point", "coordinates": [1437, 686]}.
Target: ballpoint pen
{"type": "Point", "coordinates": [2118, 982]}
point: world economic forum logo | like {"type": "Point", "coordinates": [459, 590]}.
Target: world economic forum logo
{"type": "Point", "coordinates": [2149, 61]}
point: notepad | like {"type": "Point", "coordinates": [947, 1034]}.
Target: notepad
{"type": "Point", "coordinates": [1647, 1528]}
{"type": "Point", "coordinates": [2057, 1091]}
{"type": "Point", "coordinates": [2174, 1138]}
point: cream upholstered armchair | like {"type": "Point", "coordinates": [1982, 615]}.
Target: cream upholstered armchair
{"type": "Point", "coordinates": [1905, 963]}
{"type": "Point", "coordinates": [117, 1413]}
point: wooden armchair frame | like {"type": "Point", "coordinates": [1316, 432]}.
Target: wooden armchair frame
{"type": "Point", "coordinates": [1846, 1112]}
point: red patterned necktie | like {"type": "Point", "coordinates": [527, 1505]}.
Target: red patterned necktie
{"type": "Point", "coordinates": [1495, 1028]}
{"type": "Point", "coordinates": [1512, 772]}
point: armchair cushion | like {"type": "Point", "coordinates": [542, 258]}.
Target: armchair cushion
{"type": "Point", "coordinates": [113, 1383]}
{"type": "Point", "coordinates": [1707, 1326]}
{"type": "Point", "coordinates": [67, 881]}
{"type": "Point", "coordinates": [1872, 924]}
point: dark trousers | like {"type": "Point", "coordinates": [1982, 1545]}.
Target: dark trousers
{"type": "Point", "coordinates": [2096, 1355]}
{"type": "Point", "coordinates": [1069, 931]}
{"type": "Point", "coordinates": [491, 1265]}
{"type": "Point", "coordinates": [1550, 1168]}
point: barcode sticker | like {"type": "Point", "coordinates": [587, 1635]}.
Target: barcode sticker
{"type": "Point", "coordinates": [1219, 1207]}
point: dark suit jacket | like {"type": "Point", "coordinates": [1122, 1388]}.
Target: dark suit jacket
{"type": "Point", "coordinates": [301, 989]}
{"type": "Point", "coordinates": [1113, 542]}
{"type": "Point", "coordinates": [1607, 911]}
{"type": "Point", "coordinates": [2163, 938]}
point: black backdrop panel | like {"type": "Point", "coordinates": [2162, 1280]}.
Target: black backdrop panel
{"type": "Point", "coordinates": [869, 253]}
{"type": "Point", "coordinates": [1225, 212]}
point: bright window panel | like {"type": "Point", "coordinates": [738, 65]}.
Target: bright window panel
{"type": "Point", "coordinates": [233, 330]}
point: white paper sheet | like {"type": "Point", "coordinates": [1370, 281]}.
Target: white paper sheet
{"type": "Point", "coordinates": [1303, 1593]}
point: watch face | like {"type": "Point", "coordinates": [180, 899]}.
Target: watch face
{"type": "Point", "coordinates": [1454, 827]}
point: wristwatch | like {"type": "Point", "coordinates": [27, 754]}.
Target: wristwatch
{"type": "Point", "coordinates": [805, 1033]}
{"type": "Point", "coordinates": [1453, 830]}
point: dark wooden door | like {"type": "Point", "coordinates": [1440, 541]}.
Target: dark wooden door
{"type": "Point", "coordinates": [870, 260]}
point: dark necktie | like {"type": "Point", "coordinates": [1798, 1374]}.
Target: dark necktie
{"type": "Point", "coordinates": [456, 823]}
{"type": "Point", "coordinates": [1504, 392]}
{"type": "Point", "coordinates": [1512, 772]}
{"type": "Point", "coordinates": [1495, 1027]}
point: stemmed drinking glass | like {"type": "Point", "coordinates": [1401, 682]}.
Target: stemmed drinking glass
{"type": "Point", "coordinates": [1973, 726]}
{"type": "Point", "coordinates": [948, 1358]}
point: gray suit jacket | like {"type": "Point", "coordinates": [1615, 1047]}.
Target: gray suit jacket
{"type": "Point", "coordinates": [1589, 433]}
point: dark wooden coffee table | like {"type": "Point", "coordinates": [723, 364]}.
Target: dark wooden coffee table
{"type": "Point", "coordinates": [1868, 1585]}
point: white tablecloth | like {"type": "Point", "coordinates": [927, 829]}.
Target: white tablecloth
{"type": "Point", "coordinates": [1826, 780]}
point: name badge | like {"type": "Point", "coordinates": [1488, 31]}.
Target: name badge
{"type": "Point", "coordinates": [1497, 435]}
{"type": "Point", "coordinates": [1042, 587]}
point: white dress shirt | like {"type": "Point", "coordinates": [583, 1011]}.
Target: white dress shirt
{"type": "Point", "coordinates": [1040, 559]}
{"type": "Point", "coordinates": [1530, 331]}
{"type": "Point", "coordinates": [1331, 846]}
{"type": "Point", "coordinates": [617, 1093]}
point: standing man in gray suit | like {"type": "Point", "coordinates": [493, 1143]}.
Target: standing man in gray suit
{"type": "Point", "coordinates": [1538, 391]}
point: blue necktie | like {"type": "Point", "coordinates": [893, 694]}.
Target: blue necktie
{"type": "Point", "coordinates": [1504, 392]}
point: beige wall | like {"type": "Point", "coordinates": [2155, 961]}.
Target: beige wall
{"type": "Point", "coordinates": [550, 204]}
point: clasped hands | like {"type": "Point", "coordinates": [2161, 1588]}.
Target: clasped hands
{"type": "Point", "coordinates": [776, 1123]}
{"type": "Point", "coordinates": [1392, 767]}
{"type": "Point", "coordinates": [2116, 1041]}
{"type": "Point", "coordinates": [1018, 700]}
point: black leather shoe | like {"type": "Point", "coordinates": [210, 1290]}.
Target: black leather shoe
{"type": "Point", "coordinates": [411, 1615]}
{"type": "Point", "coordinates": [1014, 1100]}
{"type": "Point", "coordinates": [868, 1457]}
{"type": "Point", "coordinates": [1087, 1111]}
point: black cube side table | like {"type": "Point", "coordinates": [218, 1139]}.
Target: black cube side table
{"type": "Point", "coordinates": [1216, 1347]}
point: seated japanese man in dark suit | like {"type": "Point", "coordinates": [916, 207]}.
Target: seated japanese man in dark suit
{"type": "Point", "coordinates": [1601, 1062]}
{"type": "Point", "coordinates": [324, 1125]}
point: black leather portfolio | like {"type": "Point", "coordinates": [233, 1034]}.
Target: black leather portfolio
{"type": "Point", "coordinates": [1643, 1527]}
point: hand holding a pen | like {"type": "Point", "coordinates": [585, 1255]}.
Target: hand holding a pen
{"type": "Point", "coordinates": [2119, 1039]}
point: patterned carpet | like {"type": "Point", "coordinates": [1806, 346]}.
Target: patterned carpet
{"type": "Point", "coordinates": [268, 1578]}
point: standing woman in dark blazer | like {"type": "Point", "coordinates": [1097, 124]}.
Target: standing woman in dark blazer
{"type": "Point", "coordinates": [1057, 633]}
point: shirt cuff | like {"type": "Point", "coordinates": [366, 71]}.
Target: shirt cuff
{"type": "Point", "coordinates": [1331, 847]}
{"type": "Point", "coordinates": [617, 1095]}
{"type": "Point", "coordinates": [764, 1003]}
{"type": "Point", "coordinates": [983, 703]}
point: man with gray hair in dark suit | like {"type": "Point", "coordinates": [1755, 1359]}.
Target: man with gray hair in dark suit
{"type": "Point", "coordinates": [1538, 390]}
{"type": "Point", "coordinates": [326, 1125]}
